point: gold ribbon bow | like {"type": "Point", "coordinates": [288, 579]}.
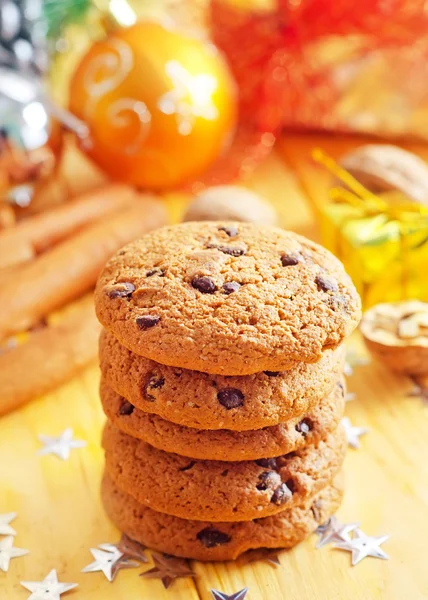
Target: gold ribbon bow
{"type": "Point", "coordinates": [406, 213]}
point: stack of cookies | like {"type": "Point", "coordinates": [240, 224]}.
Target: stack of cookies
{"type": "Point", "coordinates": [222, 365]}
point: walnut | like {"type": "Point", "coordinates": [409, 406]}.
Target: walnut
{"type": "Point", "coordinates": [231, 203]}
{"type": "Point", "coordinates": [386, 168]}
{"type": "Point", "coordinates": [397, 334]}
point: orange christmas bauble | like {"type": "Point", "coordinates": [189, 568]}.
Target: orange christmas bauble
{"type": "Point", "coordinates": [160, 105]}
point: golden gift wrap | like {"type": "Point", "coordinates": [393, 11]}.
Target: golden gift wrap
{"type": "Point", "coordinates": [382, 239]}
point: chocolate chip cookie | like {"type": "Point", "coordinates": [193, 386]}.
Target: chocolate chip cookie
{"type": "Point", "coordinates": [227, 298]}
{"type": "Point", "coordinates": [218, 541]}
{"type": "Point", "coordinates": [204, 401]}
{"type": "Point", "coordinates": [224, 444]}
{"type": "Point", "coordinates": [216, 490]}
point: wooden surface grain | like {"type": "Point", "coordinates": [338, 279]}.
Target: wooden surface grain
{"type": "Point", "coordinates": [59, 512]}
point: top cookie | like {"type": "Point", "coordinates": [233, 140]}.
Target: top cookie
{"type": "Point", "coordinates": [227, 298]}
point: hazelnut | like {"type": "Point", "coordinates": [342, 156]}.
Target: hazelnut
{"type": "Point", "coordinates": [230, 203]}
{"type": "Point", "coordinates": [397, 334]}
{"type": "Point", "coordinates": [387, 168]}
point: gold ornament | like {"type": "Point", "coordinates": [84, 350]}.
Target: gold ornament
{"type": "Point", "coordinates": [160, 105]}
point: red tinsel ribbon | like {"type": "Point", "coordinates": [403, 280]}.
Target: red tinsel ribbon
{"type": "Point", "coordinates": [273, 54]}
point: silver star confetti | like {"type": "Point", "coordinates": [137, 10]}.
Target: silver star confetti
{"type": "Point", "coordinates": [353, 359]}
{"type": "Point", "coordinates": [348, 370]}
{"type": "Point", "coordinates": [48, 589]}
{"type": "Point", "coordinates": [333, 531]}
{"type": "Point", "coordinates": [353, 433]}
{"type": "Point", "coordinates": [131, 549]}
{"type": "Point", "coordinates": [5, 519]}
{"type": "Point", "coordinates": [236, 596]}
{"type": "Point", "coordinates": [8, 551]}
{"type": "Point", "coordinates": [269, 555]}
{"type": "Point", "coordinates": [60, 446]}
{"type": "Point", "coordinates": [168, 569]}
{"type": "Point", "coordinates": [363, 545]}
{"type": "Point", "coordinates": [350, 396]}
{"type": "Point", "coordinates": [109, 560]}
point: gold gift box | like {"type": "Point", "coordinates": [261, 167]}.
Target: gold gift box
{"type": "Point", "coordinates": [381, 239]}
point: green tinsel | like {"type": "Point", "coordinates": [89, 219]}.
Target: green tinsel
{"type": "Point", "coordinates": [59, 13]}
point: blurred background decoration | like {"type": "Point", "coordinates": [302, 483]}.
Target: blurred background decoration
{"type": "Point", "coordinates": [311, 65]}
{"type": "Point", "coordinates": [178, 95]}
{"type": "Point", "coordinates": [326, 64]}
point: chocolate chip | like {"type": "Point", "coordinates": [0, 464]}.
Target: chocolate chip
{"type": "Point", "coordinates": [269, 463]}
{"type": "Point", "coordinates": [204, 284]}
{"type": "Point", "coordinates": [153, 383]}
{"type": "Point", "coordinates": [230, 398]}
{"type": "Point", "coordinates": [120, 290]}
{"type": "Point", "coordinates": [271, 373]}
{"type": "Point", "coordinates": [269, 480]}
{"type": "Point", "coordinates": [341, 387]}
{"type": "Point", "coordinates": [291, 485]}
{"type": "Point", "coordinates": [289, 260]}
{"type": "Point", "coordinates": [126, 408]}
{"type": "Point", "coordinates": [147, 321]}
{"type": "Point", "coordinates": [228, 250]}
{"type": "Point", "coordinates": [211, 537]}
{"type": "Point", "coordinates": [326, 284]}
{"type": "Point", "coordinates": [337, 303]}
{"type": "Point", "coordinates": [160, 272]}
{"type": "Point", "coordinates": [281, 495]}
{"type": "Point", "coordinates": [191, 464]}
{"type": "Point", "coordinates": [230, 287]}
{"type": "Point", "coordinates": [230, 231]}
{"type": "Point", "coordinates": [304, 427]}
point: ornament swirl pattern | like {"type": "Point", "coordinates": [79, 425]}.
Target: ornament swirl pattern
{"type": "Point", "coordinates": [104, 74]}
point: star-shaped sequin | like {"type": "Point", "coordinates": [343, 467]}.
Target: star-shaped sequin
{"type": "Point", "coordinates": [269, 555]}
{"type": "Point", "coordinates": [333, 531]}
{"type": "Point", "coordinates": [132, 549]}
{"type": "Point", "coordinates": [353, 434]}
{"type": "Point", "coordinates": [168, 568]}
{"type": "Point", "coordinates": [5, 519]}
{"type": "Point", "coordinates": [48, 589]}
{"type": "Point", "coordinates": [108, 559]}
{"type": "Point", "coordinates": [353, 359]}
{"type": "Point", "coordinates": [60, 446]}
{"type": "Point", "coordinates": [8, 551]}
{"type": "Point", "coordinates": [236, 596]}
{"type": "Point", "coordinates": [363, 545]}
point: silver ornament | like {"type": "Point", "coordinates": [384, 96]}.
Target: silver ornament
{"type": "Point", "coordinates": [26, 155]}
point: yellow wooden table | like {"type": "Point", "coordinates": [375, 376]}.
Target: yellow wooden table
{"type": "Point", "coordinates": [60, 516]}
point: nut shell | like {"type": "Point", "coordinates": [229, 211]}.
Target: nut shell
{"type": "Point", "coordinates": [397, 334]}
{"type": "Point", "coordinates": [231, 203]}
{"type": "Point", "coordinates": [387, 168]}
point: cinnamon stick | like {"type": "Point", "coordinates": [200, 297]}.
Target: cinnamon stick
{"type": "Point", "coordinates": [71, 268]}
{"type": "Point", "coordinates": [43, 230]}
{"type": "Point", "coordinates": [50, 357]}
